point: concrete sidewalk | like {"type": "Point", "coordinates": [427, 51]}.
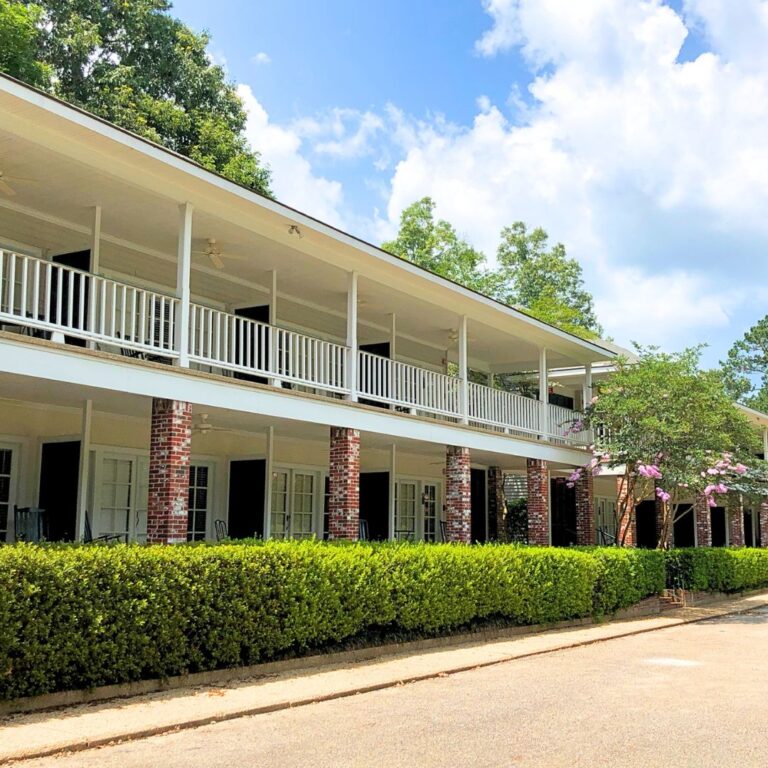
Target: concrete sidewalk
{"type": "Point", "coordinates": [90, 725]}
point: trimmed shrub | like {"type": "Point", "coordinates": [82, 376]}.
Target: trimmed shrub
{"type": "Point", "coordinates": [717, 569]}
{"type": "Point", "coordinates": [78, 616]}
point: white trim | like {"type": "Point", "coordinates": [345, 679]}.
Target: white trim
{"type": "Point", "coordinates": [83, 484]}
{"type": "Point", "coordinates": [15, 449]}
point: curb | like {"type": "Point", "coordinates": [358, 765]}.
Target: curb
{"type": "Point", "coordinates": [676, 621]}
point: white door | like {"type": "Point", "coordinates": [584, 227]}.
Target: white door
{"type": "Point", "coordinates": [303, 504]}
{"type": "Point", "coordinates": [429, 510]}
{"type": "Point", "coordinates": [7, 490]}
{"type": "Point", "coordinates": [199, 501]}
{"type": "Point", "coordinates": [294, 495]}
{"type": "Point", "coordinates": [114, 515]}
{"type": "Point", "coordinates": [405, 510]}
{"type": "Point", "coordinates": [142, 500]}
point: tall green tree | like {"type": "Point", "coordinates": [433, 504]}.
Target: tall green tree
{"type": "Point", "coordinates": [435, 245]}
{"type": "Point", "coordinates": [137, 66]}
{"type": "Point", "coordinates": [19, 34]}
{"type": "Point", "coordinates": [746, 367]}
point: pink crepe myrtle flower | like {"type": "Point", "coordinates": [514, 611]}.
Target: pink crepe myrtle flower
{"type": "Point", "coordinates": [739, 469]}
{"type": "Point", "coordinates": [713, 471]}
{"type": "Point", "coordinates": [649, 470]}
{"type": "Point", "coordinates": [711, 502]}
{"type": "Point", "coordinates": [663, 495]}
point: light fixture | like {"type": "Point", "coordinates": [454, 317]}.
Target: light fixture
{"type": "Point", "coordinates": [294, 230]}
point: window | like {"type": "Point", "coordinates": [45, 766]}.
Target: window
{"type": "Point", "coordinates": [197, 522]}
{"type": "Point", "coordinates": [293, 504]}
{"type": "Point", "coordinates": [279, 516]}
{"type": "Point", "coordinates": [303, 505]}
{"type": "Point", "coordinates": [405, 511]}
{"type": "Point", "coordinates": [6, 458]}
{"type": "Point", "coordinates": [605, 520]}
{"type": "Point", "coordinates": [429, 503]}
{"type": "Point", "coordinates": [114, 517]}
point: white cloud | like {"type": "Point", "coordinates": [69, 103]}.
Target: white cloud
{"type": "Point", "coordinates": [341, 133]}
{"type": "Point", "coordinates": [261, 58]}
{"type": "Point", "coordinates": [293, 179]}
{"type": "Point", "coordinates": [652, 170]}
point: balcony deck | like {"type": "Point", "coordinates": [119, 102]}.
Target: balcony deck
{"type": "Point", "coordinates": [39, 297]}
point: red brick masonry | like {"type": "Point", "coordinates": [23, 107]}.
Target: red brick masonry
{"type": "Point", "coordinates": [585, 510]}
{"type": "Point", "coordinates": [703, 519]}
{"type": "Point", "coordinates": [496, 522]}
{"type": "Point", "coordinates": [458, 494]}
{"type": "Point", "coordinates": [169, 447]}
{"type": "Point", "coordinates": [538, 502]}
{"type": "Point", "coordinates": [735, 520]}
{"type": "Point", "coordinates": [627, 532]}
{"type": "Point", "coordinates": [344, 500]}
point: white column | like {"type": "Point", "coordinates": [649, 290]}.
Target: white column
{"type": "Point", "coordinates": [273, 297]}
{"type": "Point", "coordinates": [95, 267]}
{"type": "Point", "coordinates": [352, 336]}
{"type": "Point", "coordinates": [393, 337]}
{"type": "Point", "coordinates": [268, 483]}
{"type": "Point", "coordinates": [273, 338]}
{"type": "Point", "coordinates": [463, 372]}
{"type": "Point", "coordinates": [543, 394]}
{"type": "Point", "coordinates": [586, 395]}
{"type": "Point", "coordinates": [85, 470]}
{"type": "Point", "coordinates": [392, 487]}
{"type": "Point", "coordinates": [765, 443]}
{"type": "Point", "coordinates": [183, 269]}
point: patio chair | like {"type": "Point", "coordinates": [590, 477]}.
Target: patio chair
{"type": "Point", "coordinates": [30, 524]}
{"type": "Point", "coordinates": [363, 530]}
{"type": "Point", "coordinates": [106, 538]}
{"type": "Point", "coordinates": [220, 527]}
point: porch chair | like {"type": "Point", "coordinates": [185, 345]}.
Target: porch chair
{"type": "Point", "coordinates": [443, 531]}
{"type": "Point", "coordinates": [30, 524]}
{"type": "Point", "coordinates": [88, 534]}
{"type": "Point", "coordinates": [363, 530]}
{"type": "Point", "coordinates": [220, 527]}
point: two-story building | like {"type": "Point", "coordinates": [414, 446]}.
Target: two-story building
{"type": "Point", "coordinates": [180, 355]}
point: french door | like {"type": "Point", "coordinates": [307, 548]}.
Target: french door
{"type": "Point", "coordinates": [429, 510]}
{"type": "Point", "coordinates": [605, 520]}
{"type": "Point", "coordinates": [7, 489]}
{"type": "Point", "coordinates": [114, 515]}
{"type": "Point", "coordinates": [405, 510]}
{"type": "Point", "coordinates": [294, 500]}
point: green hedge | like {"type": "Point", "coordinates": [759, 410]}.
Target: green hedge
{"type": "Point", "coordinates": [81, 616]}
{"type": "Point", "coordinates": [717, 570]}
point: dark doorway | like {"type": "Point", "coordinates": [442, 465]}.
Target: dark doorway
{"type": "Point", "coordinates": [381, 350]}
{"type": "Point", "coordinates": [563, 506]}
{"type": "Point", "coordinates": [645, 516]}
{"type": "Point", "coordinates": [254, 354]}
{"type": "Point", "coordinates": [374, 504]}
{"type": "Point", "coordinates": [77, 260]}
{"type": "Point", "coordinates": [59, 479]}
{"type": "Point", "coordinates": [247, 480]}
{"type": "Point", "coordinates": [749, 529]}
{"type": "Point", "coordinates": [719, 535]}
{"type": "Point", "coordinates": [478, 504]}
{"type": "Point", "coordinates": [684, 528]}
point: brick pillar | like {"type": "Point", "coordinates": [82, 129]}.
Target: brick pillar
{"type": "Point", "coordinates": [703, 521]}
{"type": "Point", "coordinates": [344, 474]}
{"type": "Point", "coordinates": [497, 522]}
{"type": "Point", "coordinates": [627, 529]}
{"type": "Point", "coordinates": [585, 510]}
{"type": "Point", "coordinates": [762, 519]}
{"type": "Point", "coordinates": [169, 446]}
{"type": "Point", "coordinates": [458, 494]}
{"type": "Point", "coordinates": [538, 502]}
{"type": "Point", "coordinates": [735, 511]}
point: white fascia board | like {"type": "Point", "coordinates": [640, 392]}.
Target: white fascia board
{"type": "Point", "coordinates": [755, 416]}
{"type": "Point", "coordinates": [214, 183]}
{"type": "Point", "coordinates": [62, 366]}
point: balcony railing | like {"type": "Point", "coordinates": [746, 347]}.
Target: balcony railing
{"type": "Point", "coordinates": [54, 300]}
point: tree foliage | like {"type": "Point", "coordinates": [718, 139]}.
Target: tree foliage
{"type": "Point", "coordinates": [746, 367]}
{"type": "Point", "coordinates": [135, 65]}
{"type": "Point", "coordinates": [674, 432]}
{"type": "Point", "coordinates": [528, 274]}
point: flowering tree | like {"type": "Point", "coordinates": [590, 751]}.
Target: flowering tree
{"type": "Point", "coordinates": [672, 432]}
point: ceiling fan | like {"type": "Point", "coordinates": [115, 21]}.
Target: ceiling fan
{"type": "Point", "coordinates": [216, 256]}
{"type": "Point", "coordinates": [6, 187]}
{"type": "Point", "coordinates": [203, 426]}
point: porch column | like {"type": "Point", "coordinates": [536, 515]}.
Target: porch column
{"type": "Point", "coordinates": [543, 395]}
{"type": "Point", "coordinates": [352, 336]}
{"type": "Point", "coordinates": [169, 447]}
{"type": "Point", "coordinates": [95, 267]}
{"type": "Point", "coordinates": [735, 509]}
{"type": "Point", "coordinates": [463, 371]}
{"type": "Point", "coordinates": [762, 517]}
{"type": "Point", "coordinates": [183, 271]}
{"type": "Point", "coordinates": [344, 474]}
{"type": "Point", "coordinates": [497, 522]}
{"type": "Point", "coordinates": [703, 520]}
{"type": "Point", "coordinates": [458, 495]}
{"type": "Point", "coordinates": [538, 502]}
{"type": "Point", "coordinates": [85, 469]}
{"type": "Point", "coordinates": [270, 452]}
{"type": "Point", "coordinates": [392, 512]}
{"type": "Point", "coordinates": [627, 524]}
{"type": "Point", "coordinates": [585, 510]}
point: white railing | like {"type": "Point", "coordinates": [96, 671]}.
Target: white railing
{"type": "Point", "coordinates": [239, 344]}
{"type": "Point", "coordinates": [52, 297]}
{"type": "Point", "coordinates": [406, 385]}
{"type": "Point", "coordinates": [561, 425]}
{"type": "Point", "coordinates": [506, 410]}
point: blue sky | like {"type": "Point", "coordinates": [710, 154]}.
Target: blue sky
{"type": "Point", "coordinates": [633, 132]}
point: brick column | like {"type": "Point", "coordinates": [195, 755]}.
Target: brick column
{"type": "Point", "coordinates": [538, 502]}
{"type": "Point", "coordinates": [458, 494]}
{"type": "Point", "coordinates": [585, 510]}
{"type": "Point", "coordinates": [627, 529]}
{"type": "Point", "coordinates": [762, 519]}
{"type": "Point", "coordinates": [169, 446]}
{"type": "Point", "coordinates": [344, 474]}
{"type": "Point", "coordinates": [735, 511]}
{"type": "Point", "coordinates": [497, 523]}
{"type": "Point", "coordinates": [703, 521]}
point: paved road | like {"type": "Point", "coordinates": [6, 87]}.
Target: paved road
{"type": "Point", "coordinates": [695, 695]}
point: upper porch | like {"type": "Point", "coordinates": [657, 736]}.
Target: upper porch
{"type": "Point", "coordinates": [116, 244]}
